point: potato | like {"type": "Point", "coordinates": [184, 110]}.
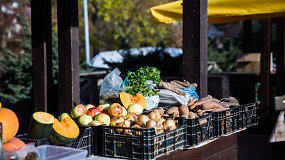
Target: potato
{"type": "Point", "coordinates": [175, 114]}
{"type": "Point", "coordinates": [203, 121]}
{"type": "Point", "coordinates": [184, 115]}
{"type": "Point", "coordinates": [183, 109]}
{"type": "Point", "coordinates": [165, 115]}
{"type": "Point", "coordinates": [172, 110]}
{"type": "Point", "coordinates": [192, 115]}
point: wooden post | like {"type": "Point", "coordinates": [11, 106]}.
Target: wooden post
{"type": "Point", "coordinates": [247, 31]}
{"type": "Point", "coordinates": [265, 67]}
{"type": "Point", "coordinates": [68, 50]}
{"type": "Point", "coordinates": [195, 44]}
{"type": "Point", "coordinates": [41, 52]}
{"type": "Point", "coordinates": [280, 57]}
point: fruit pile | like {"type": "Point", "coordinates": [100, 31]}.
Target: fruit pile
{"type": "Point", "coordinates": [126, 113]}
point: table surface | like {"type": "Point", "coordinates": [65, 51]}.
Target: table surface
{"type": "Point", "coordinates": [221, 148]}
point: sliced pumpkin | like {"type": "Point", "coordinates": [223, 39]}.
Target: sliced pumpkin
{"type": "Point", "coordinates": [127, 99]}
{"type": "Point", "coordinates": [64, 131]}
{"type": "Point", "coordinates": [40, 125]}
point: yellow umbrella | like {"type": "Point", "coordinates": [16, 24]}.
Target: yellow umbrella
{"type": "Point", "coordinates": [223, 11]}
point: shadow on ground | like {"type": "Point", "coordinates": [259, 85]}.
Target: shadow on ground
{"type": "Point", "coordinates": [253, 143]}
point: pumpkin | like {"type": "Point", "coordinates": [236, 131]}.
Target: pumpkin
{"type": "Point", "coordinates": [40, 125]}
{"type": "Point", "coordinates": [127, 99]}
{"type": "Point", "coordinates": [64, 131]}
{"type": "Point", "coordinates": [10, 124]}
{"type": "Point", "coordinates": [14, 144]}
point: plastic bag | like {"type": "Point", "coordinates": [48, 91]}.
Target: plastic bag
{"type": "Point", "coordinates": [112, 85]}
{"type": "Point", "coordinates": [29, 152]}
{"type": "Point", "coordinates": [167, 97]}
{"type": "Point", "coordinates": [191, 91]}
{"type": "Point", "coordinates": [151, 102]}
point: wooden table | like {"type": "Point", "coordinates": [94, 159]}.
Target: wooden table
{"type": "Point", "coordinates": [222, 148]}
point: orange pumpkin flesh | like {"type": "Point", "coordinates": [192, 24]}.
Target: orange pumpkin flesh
{"type": "Point", "coordinates": [10, 124]}
{"type": "Point", "coordinates": [14, 144]}
{"type": "Point", "coordinates": [127, 99]}
{"type": "Point", "coordinates": [64, 131]}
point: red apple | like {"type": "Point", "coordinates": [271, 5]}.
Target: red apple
{"type": "Point", "coordinates": [115, 120]}
{"type": "Point", "coordinates": [103, 118]}
{"type": "Point", "coordinates": [93, 112]}
{"type": "Point", "coordinates": [78, 111]}
{"type": "Point", "coordinates": [88, 106]}
{"type": "Point", "coordinates": [115, 110]}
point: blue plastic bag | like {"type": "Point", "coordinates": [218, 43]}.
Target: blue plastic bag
{"type": "Point", "coordinates": [192, 91]}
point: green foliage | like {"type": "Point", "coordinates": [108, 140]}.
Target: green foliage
{"type": "Point", "coordinates": [126, 24]}
{"type": "Point", "coordinates": [16, 83]}
{"type": "Point", "coordinates": [137, 81]}
{"type": "Point", "coordinates": [224, 51]}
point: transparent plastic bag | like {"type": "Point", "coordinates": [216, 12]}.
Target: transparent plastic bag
{"type": "Point", "coordinates": [112, 85]}
{"type": "Point", "coordinates": [151, 102]}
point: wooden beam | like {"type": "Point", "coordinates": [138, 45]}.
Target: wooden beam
{"type": "Point", "coordinates": [195, 44]}
{"type": "Point", "coordinates": [68, 50]}
{"type": "Point", "coordinates": [280, 57]}
{"type": "Point", "coordinates": [265, 67]}
{"type": "Point", "coordinates": [247, 31]}
{"type": "Point", "coordinates": [41, 52]}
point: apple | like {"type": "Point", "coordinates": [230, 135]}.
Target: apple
{"type": "Point", "coordinates": [115, 120]}
{"type": "Point", "coordinates": [85, 119]}
{"type": "Point", "coordinates": [62, 116]}
{"type": "Point", "coordinates": [125, 112]}
{"type": "Point", "coordinates": [135, 108]}
{"type": "Point", "coordinates": [103, 118]}
{"type": "Point", "coordinates": [103, 106]}
{"type": "Point", "coordinates": [95, 123]}
{"type": "Point", "coordinates": [88, 106]}
{"type": "Point", "coordinates": [115, 110]}
{"type": "Point", "coordinates": [93, 112]}
{"type": "Point", "coordinates": [78, 111]}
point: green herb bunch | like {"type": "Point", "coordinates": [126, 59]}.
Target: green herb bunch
{"type": "Point", "coordinates": [137, 81]}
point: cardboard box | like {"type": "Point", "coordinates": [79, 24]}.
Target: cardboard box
{"type": "Point", "coordinates": [279, 103]}
{"type": "Point", "coordinates": [250, 63]}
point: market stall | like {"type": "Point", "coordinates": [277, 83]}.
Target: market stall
{"type": "Point", "coordinates": [214, 128]}
{"type": "Point", "coordinates": [140, 117]}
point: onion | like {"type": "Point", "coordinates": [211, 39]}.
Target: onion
{"type": "Point", "coordinates": [169, 125]}
{"type": "Point", "coordinates": [157, 112]}
{"type": "Point", "coordinates": [142, 120]}
{"type": "Point", "coordinates": [152, 115]}
{"type": "Point", "coordinates": [151, 124]}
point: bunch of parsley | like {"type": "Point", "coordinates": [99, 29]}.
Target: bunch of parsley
{"type": "Point", "coordinates": [137, 81]}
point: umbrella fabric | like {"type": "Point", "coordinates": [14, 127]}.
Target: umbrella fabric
{"type": "Point", "coordinates": [222, 11]}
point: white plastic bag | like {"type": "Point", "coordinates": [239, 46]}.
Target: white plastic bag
{"type": "Point", "coordinates": [167, 97]}
{"type": "Point", "coordinates": [112, 85]}
{"type": "Point", "coordinates": [151, 102]}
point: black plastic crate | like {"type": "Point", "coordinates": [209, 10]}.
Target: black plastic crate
{"type": "Point", "coordinates": [142, 143]}
{"type": "Point", "coordinates": [82, 142]}
{"type": "Point", "coordinates": [248, 115]}
{"type": "Point", "coordinates": [227, 121]}
{"type": "Point", "coordinates": [200, 130]}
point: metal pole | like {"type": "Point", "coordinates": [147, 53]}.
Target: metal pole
{"type": "Point", "coordinates": [86, 29]}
